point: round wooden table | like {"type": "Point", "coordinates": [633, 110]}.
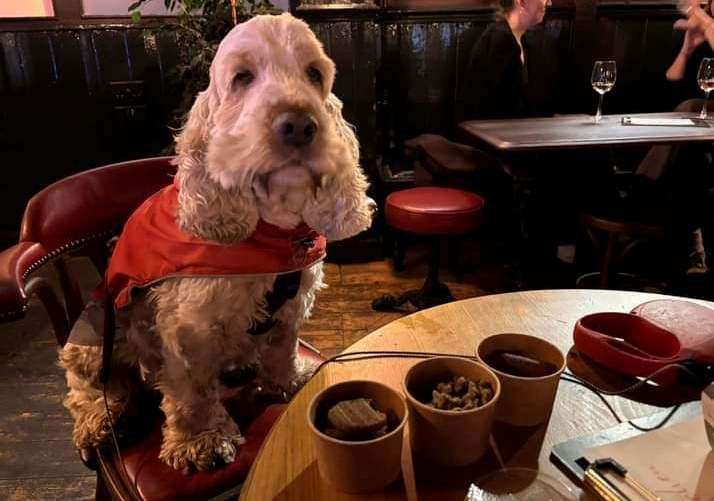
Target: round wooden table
{"type": "Point", "coordinates": [286, 467]}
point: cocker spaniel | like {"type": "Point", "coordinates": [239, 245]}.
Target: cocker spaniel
{"type": "Point", "coordinates": [264, 157]}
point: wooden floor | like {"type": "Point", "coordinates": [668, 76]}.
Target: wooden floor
{"type": "Point", "coordinates": [37, 459]}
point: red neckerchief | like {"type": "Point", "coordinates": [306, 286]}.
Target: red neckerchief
{"type": "Point", "coordinates": [152, 247]}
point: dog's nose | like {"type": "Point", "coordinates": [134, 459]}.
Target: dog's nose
{"type": "Point", "coordinates": [295, 128]}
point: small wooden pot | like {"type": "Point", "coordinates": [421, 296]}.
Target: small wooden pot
{"type": "Point", "coordinates": [448, 438]}
{"type": "Point", "coordinates": [525, 401]}
{"type": "Point", "coordinates": [359, 466]}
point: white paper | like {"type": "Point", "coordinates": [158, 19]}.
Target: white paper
{"type": "Point", "coordinates": [657, 121]}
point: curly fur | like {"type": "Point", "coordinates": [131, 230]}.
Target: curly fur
{"type": "Point", "coordinates": [232, 171]}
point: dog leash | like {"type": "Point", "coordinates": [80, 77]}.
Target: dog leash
{"type": "Point", "coordinates": [285, 287]}
{"type": "Point", "coordinates": [108, 337]}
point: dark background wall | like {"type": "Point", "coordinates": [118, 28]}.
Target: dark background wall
{"type": "Point", "coordinates": [79, 95]}
{"type": "Point", "coordinates": [76, 98]}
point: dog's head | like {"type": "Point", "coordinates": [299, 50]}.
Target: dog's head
{"type": "Point", "coordinates": [267, 140]}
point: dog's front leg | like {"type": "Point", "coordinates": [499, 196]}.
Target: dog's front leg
{"type": "Point", "coordinates": [281, 370]}
{"type": "Point", "coordinates": [85, 399]}
{"type": "Point", "coordinates": [198, 431]}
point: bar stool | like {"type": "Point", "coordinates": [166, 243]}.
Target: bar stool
{"type": "Point", "coordinates": [434, 212]}
{"type": "Point", "coordinates": [440, 162]}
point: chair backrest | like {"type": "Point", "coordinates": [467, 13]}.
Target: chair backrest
{"type": "Point", "coordinates": [92, 204]}
{"type": "Point", "coordinates": [77, 216]}
{"type": "Point", "coordinates": [661, 156]}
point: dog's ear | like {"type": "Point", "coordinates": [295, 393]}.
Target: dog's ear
{"type": "Point", "coordinates": [206, 209]}
{"type": "Point", "coordinates": [344, 130]}
{"type": "Point", "coordinates": [341, 207]}
{"type": "Point", "coordinates": [194, 135]}
{"type": "Point", "coordinates": [329, 80]}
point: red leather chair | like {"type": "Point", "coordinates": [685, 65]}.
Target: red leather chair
{"type": "Point", "coordinates": [76, 216]}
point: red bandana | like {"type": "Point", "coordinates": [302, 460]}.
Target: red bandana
{"type": "Point", "coordinates": [152, 248]}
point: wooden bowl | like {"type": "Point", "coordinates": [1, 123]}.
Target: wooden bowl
{"type": "Point", "coordinates": [448, 438]}
{"type": "Point", "coordinates": [525, 401]}
{"type": "Point", "coordinates": [359, 466]}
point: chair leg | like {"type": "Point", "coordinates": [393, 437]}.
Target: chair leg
{"type": "Point", "coordinates": [607, 260]}
{"type": "Point", "coordinates": [40, 287]}
{"type": "Point", "coordinates": [101, 492]}
{"type": "Point", "coordinates": [432, 293]}
{"type": "Point", "coordinates": [71, 290]}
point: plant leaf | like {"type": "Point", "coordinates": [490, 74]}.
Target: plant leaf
{"type": "Point", "coordinates": [136, 16]}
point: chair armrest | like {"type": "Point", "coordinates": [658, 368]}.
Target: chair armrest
{"type": "Point", "coordinates": [308, 351]}
{"type": "Point", "coordinates": [16, 263]}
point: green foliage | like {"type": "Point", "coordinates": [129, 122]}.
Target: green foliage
{"type": "Point", "coordinates": [200, 26]}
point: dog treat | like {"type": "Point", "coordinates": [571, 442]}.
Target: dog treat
{"type": "Point", "coordinates": [518, 364]}
{"type": "Point", "coordinates": [461, 394]}
{"type": "Point", "coordinates": [356, 420]}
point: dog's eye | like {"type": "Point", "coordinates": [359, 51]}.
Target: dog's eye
{"type": "Point", "coordinates": [314, 75]}
{"type": "Point", "coordinates": [243, 77]}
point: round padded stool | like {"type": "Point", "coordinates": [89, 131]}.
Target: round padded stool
{"type": "Point", "coordinates": [435, 212]}
{"type": "Point", "coordinates": [432, 210]}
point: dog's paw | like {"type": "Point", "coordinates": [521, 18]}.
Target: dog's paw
{"type": "Point", "coordinates": [303, 373]}
{"type": "Point", "coordinates": [91, 429]}
{"type": "Point", "coordinates": [288, 384]}
{"type": "Point", "coordinates": [205, 451]}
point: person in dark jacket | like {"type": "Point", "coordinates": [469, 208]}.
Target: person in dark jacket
{"type": "Point", "coordinates": [501, 82]}
{"type": "Point", "coordinates": [514, 71]}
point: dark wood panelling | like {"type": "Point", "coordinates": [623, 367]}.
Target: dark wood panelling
{"type": "Point", "coordinates": [63, 111]}
{"type": "Point", "coordinates": [71, 72]}
{"type": "Point", "coordinates": [452, 5]}
{"type": "Point", "coordinates": [12, 61]}
{"type": "Point", "coordinates": [366, 63]}
{"type": "Point", "coordinates": [643, 42]}
{"type": "Point", "coordinates": [356, 80]}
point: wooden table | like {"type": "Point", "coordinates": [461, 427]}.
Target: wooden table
{"type": "Point", "coordinates": [574, 131]}
{"type": "Point", "coordinates": [286, 467]}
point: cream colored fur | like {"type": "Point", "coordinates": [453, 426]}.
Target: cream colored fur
{"type": "Point", "coordinates": [232, 171]}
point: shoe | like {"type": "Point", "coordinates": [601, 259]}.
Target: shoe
{"type": "Point", "coordinates": [697, 263]}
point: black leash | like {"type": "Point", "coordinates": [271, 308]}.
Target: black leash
{"type": "Point", "coordinates": [285, 287]}
{"type": "Point", "coordinates": [108, 338]}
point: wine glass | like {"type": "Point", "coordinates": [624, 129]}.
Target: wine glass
{"type": "Point", "coordinates": [705, 79]}
{"type": "Point", "coordinates": [602, 80]}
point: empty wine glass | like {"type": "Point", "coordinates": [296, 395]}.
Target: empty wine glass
{"type": "Point", "coordinates": [602, 80]}
{"type": "Point", "coordinates": [705, 79]}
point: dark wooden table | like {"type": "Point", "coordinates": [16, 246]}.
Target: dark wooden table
{"type": "Point", "coordinates": [575, 131]}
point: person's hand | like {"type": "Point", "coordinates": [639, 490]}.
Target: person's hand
{"type": "Point", "coordinates": [697, 19]}
{"type": "Point", "coordinates": [685, 6]}
{"type": "Point", "coordinates": [693, 38]}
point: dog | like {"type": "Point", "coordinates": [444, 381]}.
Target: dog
{"type": "Point", "coordinates": [264, 146]}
